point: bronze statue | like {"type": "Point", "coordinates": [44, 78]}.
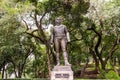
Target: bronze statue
{"type": "Point", "coordinates": [60, 37]}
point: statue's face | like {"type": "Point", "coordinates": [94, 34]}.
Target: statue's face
{"type": "Point", "coordinates": [58, 20]}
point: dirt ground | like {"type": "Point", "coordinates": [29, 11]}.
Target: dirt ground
{"type": "Point", "coordinates": [90, 73]}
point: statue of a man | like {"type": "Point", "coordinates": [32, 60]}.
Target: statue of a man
{"type": "Point", "coordinates": [60, 37]}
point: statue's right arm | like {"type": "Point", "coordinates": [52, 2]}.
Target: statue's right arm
{"type": "Point", "coordinates": [51, 37]}
{"type": "Point", "coordinates": [67, 34]}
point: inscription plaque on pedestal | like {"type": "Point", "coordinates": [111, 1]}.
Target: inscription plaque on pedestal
{"type": "Point", "coordinates": [62, 73]}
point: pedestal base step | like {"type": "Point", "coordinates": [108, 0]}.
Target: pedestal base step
{"type": "Point", "coordinates": [62, 73]}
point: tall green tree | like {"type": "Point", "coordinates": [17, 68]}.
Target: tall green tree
{"type": "Point", "coordinates": [105, 31]}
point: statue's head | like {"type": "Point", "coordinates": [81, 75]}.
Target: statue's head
{"type": "Point", "coordinates": [58, 20]}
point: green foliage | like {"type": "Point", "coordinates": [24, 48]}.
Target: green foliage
{"type": "Point", "coordinates": [112, 75]}
{"type": "Point", "coordinates": [102, 74]}
{"type": "Point", "coordinates": [18, 49]}
{"type": "Point", "coordinates": [11, 8]}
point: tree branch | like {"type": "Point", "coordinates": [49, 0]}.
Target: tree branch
{"type": "Point", "coordinates": [35, 37]}
{"type": "Point", "coordinates": [25, 23]}
{"type": "Point", "coordinates": [75, 40]}
{"type": "Point", "coordinates": [112, 50]}
{"type": "Point", "coordinates": [98, 41]}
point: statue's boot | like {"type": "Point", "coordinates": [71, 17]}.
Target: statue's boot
{"type": "Point", "coordinates": [66, 59]}
{"type": "Point", "coordinates": [58, 60]}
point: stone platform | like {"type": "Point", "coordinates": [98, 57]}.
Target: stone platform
{"type": "Point", "coordinates": [62, 73]}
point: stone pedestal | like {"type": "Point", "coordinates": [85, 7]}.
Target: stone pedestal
{"type": "Point", "coordinates": [62, 73]}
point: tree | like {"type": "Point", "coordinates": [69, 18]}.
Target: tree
{"type": "Point", "coordinates": [92, 25]}
{"type": "Point", "coordinates": [105, 32]}
{"type": "Point", "coordinates": [11, 48]}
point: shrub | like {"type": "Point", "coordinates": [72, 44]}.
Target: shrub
{"type": "Point", "coordinates": [112, 75]}
{"type": "Point", "coordinates": [102, 74]}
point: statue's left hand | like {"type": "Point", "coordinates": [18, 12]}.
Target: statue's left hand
{"type": "Point", "coordinates": [68, 40]}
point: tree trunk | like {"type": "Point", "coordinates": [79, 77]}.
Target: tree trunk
{"type": "Point", "coordinates": [103, 64]}
{"type": "Point", "coordinates": [48, 57]}
{"type": "Point", "coordinates": [3, 71]}
{"type": "Point", "coordinates": [15, 70]}
{"type": "Point", "coordinates": [54, 61]}
{"type": "Point", "coordinates": [83, 69]}
{"type": "Point", "coordinates": [6, 71]}
{"type": "Point", "coordinates": [96, 64]}
{"type": "Point", "coordinates": [95, 58]}
{"type": "Point", "coordinates": [19, 71]}
{"type": "Point", "coordinates": [96, 48]}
